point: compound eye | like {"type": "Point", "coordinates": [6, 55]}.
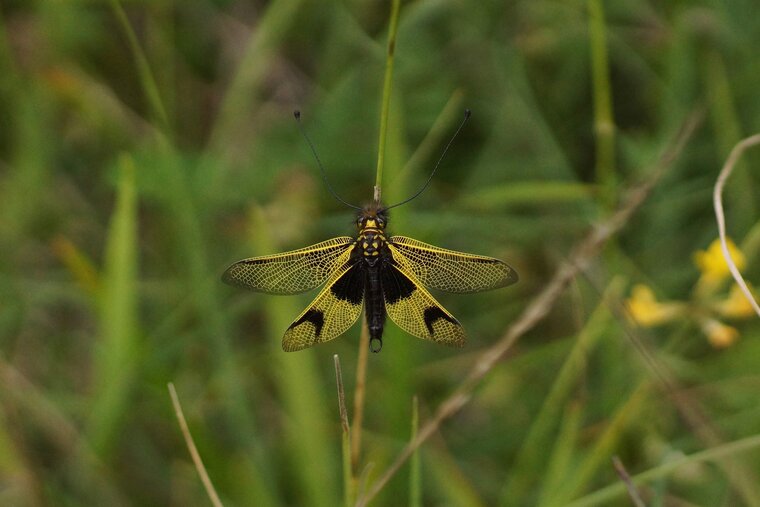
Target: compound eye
{"type": "Point", "coordinates": [360, 221]}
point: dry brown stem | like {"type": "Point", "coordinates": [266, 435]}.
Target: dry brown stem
{"type": "Point", "coordinates": [728, 168]}
{"type": "Point", "coordinates": [210, 491]}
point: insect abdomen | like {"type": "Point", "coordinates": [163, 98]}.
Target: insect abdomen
{"type": "Point", "coordinates": [374, 307]}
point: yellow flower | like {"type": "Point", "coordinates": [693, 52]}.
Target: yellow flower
{"type": "Point", "coordinates": [718, 334]}
{"type": "Point", "coordinates": [713, 265]}
{"type": "Point", "coordinates": [736, 306]}
{"type": "Point", "coordinates": [647, 311]}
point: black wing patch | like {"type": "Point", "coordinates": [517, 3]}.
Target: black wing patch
{"type": "Point", "coordinates": [395, 285]}
{"type": "Point", "coordinates": [415, 311]}
{"type": "Point", "coordinates": [434, 313]}
{"type": "Point", "coordinates": [332, 312]}
{"type": "Point", "coordinates": [350, 287]}
{"type": "Point", "coordinates": [315, 317]}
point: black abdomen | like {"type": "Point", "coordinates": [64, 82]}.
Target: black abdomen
{"type": "Point", "coordinates": [374, 306]}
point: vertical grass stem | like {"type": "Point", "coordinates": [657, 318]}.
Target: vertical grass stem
{"type": "Point", "coordinates": [387, 85]}
{"type": "Point", "coordinates": [604, 123]}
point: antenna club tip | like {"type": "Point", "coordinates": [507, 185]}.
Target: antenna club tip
{"type": "Point", "coordinates": [467, 114]}
{"type": "Point", "coordinates": [297, 114]}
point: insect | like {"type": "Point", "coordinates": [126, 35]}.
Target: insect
{"type": "Point", "coordinates": [386, 275]}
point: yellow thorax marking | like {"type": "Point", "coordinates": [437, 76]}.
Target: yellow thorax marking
{"type": "Point", "coordinates": [370, 230]}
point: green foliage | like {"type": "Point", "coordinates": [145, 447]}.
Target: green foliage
{"type": "Point", "coordinates": [146, 145]}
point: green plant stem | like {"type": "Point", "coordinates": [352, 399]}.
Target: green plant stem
{"type": "Point", "coordinates": [387, 85]}
{"type": "Point", "coordinates": [361, 365]}
{"type": "Point", "coordinates": [604, 123]}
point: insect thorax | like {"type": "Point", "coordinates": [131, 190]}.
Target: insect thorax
{"type": "Point", "coordinates": [371, 222]}
{"type": "Point", "coordinates": [371, 242]}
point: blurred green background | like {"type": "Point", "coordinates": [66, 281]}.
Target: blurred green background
{"type": "Point", "coordinates": [144, 146]}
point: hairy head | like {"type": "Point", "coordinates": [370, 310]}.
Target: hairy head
{"type": "Point", "coordinates": [373, 216]}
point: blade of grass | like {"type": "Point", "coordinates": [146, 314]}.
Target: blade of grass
{"type": "Point", "coordinates": [728, 132]}
{"type": "Point", "coordinates": [298, 383]}
{"type": "Point", "coordinates": [194, 454]}
{"type": "Point", "coordinates": [180, 202]}
{"type": "Point", "coordinates": [527, 465]}
{"type": "Point", "coordinates": [79, 265]}
{"type": "Point", "coordinates": [451, 112]}
{"type": "Point", "coordinates": [191, 253]}
{"type": "Point", "coordinates": [240, 98]}
{"type": "Point", "coordinates": [448, 481]}
{"type": "Point", "coordinates": [84, 468]}
{"type": "Point", "coordinates": [27, 177]}
{"type": "Point", "coordinates": [560, 461]}
{"type": "Point", "coordinates": [115, 358]}
{"type": "Point", "coordinates": [600, 454]}
{"type": "Point", "coordinates": [739, 474]}
{"type": "Point", "coordinates": [715, 454]}
{"type": "Point", "coordinates": [147, 81]}
{"type": "Point", "coordinates": [527, 192]}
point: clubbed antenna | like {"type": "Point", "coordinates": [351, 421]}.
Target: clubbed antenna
{"type": "Point", "coordinates": [297, 115]}
{"type": "Point", "coordinates": [467, 114]}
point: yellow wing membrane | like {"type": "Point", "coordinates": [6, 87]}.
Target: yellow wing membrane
{"type": "Point", "coordinates": [290, 272]}
{"type": "Point", "coordinates": [415, 311]}
{"type": "Point", "coordinates": [331, 313]}
{"type": "Point", "coordinates": [448, 270]}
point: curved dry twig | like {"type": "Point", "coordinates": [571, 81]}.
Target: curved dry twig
{"type": "Point", "coordinates": [728, 168]}
{"type": "Point", "coordinates": [540, 306]}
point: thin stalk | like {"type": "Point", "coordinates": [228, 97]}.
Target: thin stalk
{"type": "Point", "coordinates": [626, 478]}
{"type": "Point", "coordinates": [348, 477]}
{"type": "Point", "coordinates": [386, 96]}
{"type": "Point", "coordinates": [361, 383]}
{"type": "Point", "coordinates": [604, 123]}
{"type": "Point", "coordinates": [207, 484]}
{"type": "Point", "coordinates": [361, 366]}
{"type": "Point", "coordinates": [415, 475]}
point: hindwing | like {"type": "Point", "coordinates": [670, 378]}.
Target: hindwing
{"type": "Point", "coordinates": [448, 270]}
{"type": "Point", "coordinates": [332, 312]}
{"type": "Point", "coordinates": [290, 272]}
{"type": "Point", "coordinates": [415, 311]}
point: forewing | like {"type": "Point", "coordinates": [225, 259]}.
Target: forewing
{"type": "Point", "coordinates": [290, 272]}
{"type": "Point", "coordinates": [332, 312]}
{"type": "Point", "coordinates": [415, 311]}
{"type": "Point", "coordinates": [449, 270]}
